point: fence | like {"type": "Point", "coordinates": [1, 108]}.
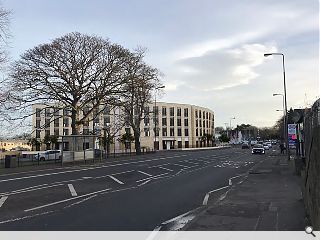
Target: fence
{"type": "Point", "coordinates": [312, 157]}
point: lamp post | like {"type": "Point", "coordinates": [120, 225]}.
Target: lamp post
{"type": "Point", "coordinates": [285, 101]}
{"type": "Point", "coordinates": [284, 113]}
{"type": "Point", "coordinates": [231, 125]}
{"type": "Point", "coordinates": [156, 116]}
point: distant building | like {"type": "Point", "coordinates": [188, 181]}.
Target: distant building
{"type": "Point", "coordinates": [177, 125]}
{"type": "Point", "coordinates": [9, 144]}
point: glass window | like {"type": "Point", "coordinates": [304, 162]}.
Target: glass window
{"type": "Point", "coordinates": [38, 133]}
{"type": "Point", "coordinates": [171, 132]}
{"type": "Point", "coordinates": [179, 122]}
{"type": "Point", "coordinates": [164, 132]}
{"type": "Point", "coordinates": [200, 114]}
{"type": "Point", "coordinates": [186, 112]}
{"type": "Point", "coordinates": [146, 121]}
{"type": "Point", "coordinates": [38, 122]}
{"type": "Point", "coordinates": [196, 113]}
{"type": "Point", "coordinates": [47, 112]}
{"type": "Point", "coordinates": [38, 112]}
{"type": "Point", "coordinates": [47, 122]}
{"type": "Point", "coordinates": [186, 132]}
{"type": "Point", "coordinates": [66, 122]}
{"type": "Point", "coordinates": [164, 121]}
{"type": "Point", "coordinates": [147, 132]}
{"type": "Point", "coordinates": [146, 110]}
{"type": "Point", "coordinates": [106, 110]}
{"type": "Point", "coordinates": [179, 132]}
{"type": "Point", "coordinates": [179, 112]}
{"type": "Point", "coordinates": [197, 123]}
{"type": "Point", "coordinates": [66, 132]}
{"type": "Point", "coordinates": [186, 122]}
{"type": "Point", "coordinates": [197, 132]}
{"type": "Point", "coordinates": [56, 122]}
{"type": "Point", "coordinates": [155, 111]}
{"type": "Point", "coordinates": [56, 132]}
{"type": "Point", "coordinates": [171, 111]}
{"type": "Point", "coordinates": [164, 111]}
{"type": "Point", "coordinates": [47, 133]}
{"type": "Point", "coordinates": [106, 120]}
{"type": "Point", "coordinates": [127, 130]}
{"type": "Point", "coordinates": [171, 121]}
{"type": "Point", "coordinates": [56, 111]}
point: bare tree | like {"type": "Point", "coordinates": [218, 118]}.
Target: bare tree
{"type": "Point", "coordinates": [4, 34]}
{"type": "Point", "coordinates": [141, 80]}
{"type": "Point", "coordinates": [75, 71]}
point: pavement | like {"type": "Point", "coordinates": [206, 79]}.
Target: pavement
{"type": "Point", "coordinates": [267, 198]}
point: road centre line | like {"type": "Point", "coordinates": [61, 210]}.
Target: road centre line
{"type": "Point", "coordinates": [145, 173]}
{"type": "Point", "coordinates": [72, 190]}
{"type": "Point", "coordinates": [2, 200]}
{"type": "Point", "coordinates": [115, 179]}
{"type": "Point", "coordinates": [179, 165]}
{"type": "Point", "coordinates": [66, 200]}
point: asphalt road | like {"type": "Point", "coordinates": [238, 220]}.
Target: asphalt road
{"type": "Point", "coordinates": [136, 194]}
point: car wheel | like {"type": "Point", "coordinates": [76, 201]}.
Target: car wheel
{"type": "Point", "coordinates": [42, 159]}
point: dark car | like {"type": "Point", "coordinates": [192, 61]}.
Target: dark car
{"type": "Point", "coordinates": [245, 146]}
{"type": "Point", "coordinates": [258, 149]}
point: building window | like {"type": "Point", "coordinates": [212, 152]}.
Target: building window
{"type": "Point", "coordinates": [56, 122]}
{"type": "Point", "coordinates": [47, 122]}
{"type": "Point", "coordinates": [38, 133]}
{"type": "Point", "coordinates": [155, 111]}
{"type": "Point", "coordinates": [164, 121]}
{"type": "Point", "coordinates": [38, 112]}
{"type": "Point", "coordinates": [171, 132]}
{"type": "Point", "coordinates": [146, 121]}
{"type": "Point", "coordinates": [200, 114]}
{"type": "Point", "coordinates": [164, 111]}
{"type": "Point", "coordinates": [47, 112]}
{"type": "Point", "coordinates": [47, 133]}
{"type": "Point", "coordinates": [147, 132]}
{"type": "Point", "coordinates": [146, 111]}
{"type": "Point", "coordinates": [128, 131]}
{"type": "Point", "coordinates": [106, 110]}
{"type": "Point", "coordinates": [86, 131]}
{"type": "Point", "coordinates": [197, 132]}
{"type": "Point", "coordinates": [164, 132]}
{"type": "Point", "coordinates": [186, 132]}
{"type": "Point", "coordinates": [106, 120]}
{"type": "Point", "coordinates": [66, 132]}
{"type": "Point", "coordinates": [179, 132]}
{"type": "Point", "coordinates": [186, 112]}
{"type": "Point", "coordinates": [204, 123]}
{"type": "Point", "coordinates": [171, 122]}
{"type": "Point", "coordinates": [56, 132]}
{"type": "Point", "coordinates": [179, 112]}
{"type": "Point", "coordinates": [200, 123]}
{"type": "Point", "coordinates": [186, 122]}
{"type": "Point", "coordinates": [56, 111]}
{"type": "Point", "coordinates": [186, 144]}
{"type": "Point", "coordinates": [203, 115]}
{"type": "Point", "coordinates": [179, 144]}
{"type": "Point", "coordinates": [38, 123]}
{"type": "Point", "coordinates": [66, 122]}
{"type": "Point", "coordinates": [179, 122]}
{"type": "Point", "coordinates": [171, 111]}
{"type": "Point", "coordinates": [196, 112]}
{"type": "Point", "coordinates": [197, 123]}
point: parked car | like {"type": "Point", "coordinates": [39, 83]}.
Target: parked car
{"type": "Point", "coordinates": [266, 147]}
{"type": "Point", "coordinates": [245, 146]}
{"type": "Point", "coordinates": [258, 149]}
{"type": "Point", "coordinates": [49, 155]}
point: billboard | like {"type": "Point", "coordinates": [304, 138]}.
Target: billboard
{"type": "Point", "coordinates": [292, 135]}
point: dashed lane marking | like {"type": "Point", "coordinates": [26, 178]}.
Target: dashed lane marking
{"type": "Point", "coordinates": [141, 184]}
{"type": "Point", "coordinates": [115, 179]}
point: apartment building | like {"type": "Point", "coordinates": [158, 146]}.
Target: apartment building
{"type": "Point", "coordinates": [165, 126]}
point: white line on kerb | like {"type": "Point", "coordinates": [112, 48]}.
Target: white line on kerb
{"type": "Point", "coordinates": [72, 190]}
{"type": "Point", "coordinates": [145, 173]}
{"type": "Point", "coordinates": [115, 179]}
{"type": "Point", "coordinates": [2, 200]}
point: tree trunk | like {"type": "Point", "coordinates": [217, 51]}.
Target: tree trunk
{"type": "Point", "coordinates": [108, 149]}
{"type": "Point", "coordinates": [73, 121]}
{"type": "Point", "coordinates": [137, 142]}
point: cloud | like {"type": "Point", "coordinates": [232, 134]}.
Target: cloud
{"type": "Point", "coordinates": [223, 68]}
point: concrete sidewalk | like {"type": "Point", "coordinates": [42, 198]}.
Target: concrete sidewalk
{"type": "Point", "coordinates": [268, 199]}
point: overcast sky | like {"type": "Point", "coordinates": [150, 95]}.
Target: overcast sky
{"type": "Point", "coordinates": [210, 51]}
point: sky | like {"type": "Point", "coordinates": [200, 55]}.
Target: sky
{"type": "Point", "coordinates": [209, 51]}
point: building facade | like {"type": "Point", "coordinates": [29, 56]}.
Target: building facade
{"type": "Point", "coordinates": [165, 125]}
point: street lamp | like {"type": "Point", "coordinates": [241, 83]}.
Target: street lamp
{"type": "Point", "coordinates": [284, 113]}
{"type": "Point", "coordinates": [155, 116]}
{"type": "Point", "coordinates": [231, 125]}
{"type": "Point", "coordinates": [285, 101]}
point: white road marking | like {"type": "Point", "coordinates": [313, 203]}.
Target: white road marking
{"type": "Point", "coordinates": [81, 201]}
{"type": "Point", "coordinates": [179, 165]}
{"type": "Point", "coordinates": [115, 179]}
{"type": "Point", "coordinates": [141, 184]}
{"type": "Point", "coordinates": [2, 200]}
{"type": "Point", "coordinates": [72, 190]}
{"type": "Point", "coordinates": [145, 173]}
{"type": "Point", "coordinates": [153, 177]}
{"type": "Point", "coordinates": [66, 200]}
{"type": "Point", "coordinates": [25, 217]}
{"type": "Point", "coordinates": [30, 189]}
{"type": "Point", "coordinates": [167, 169]}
